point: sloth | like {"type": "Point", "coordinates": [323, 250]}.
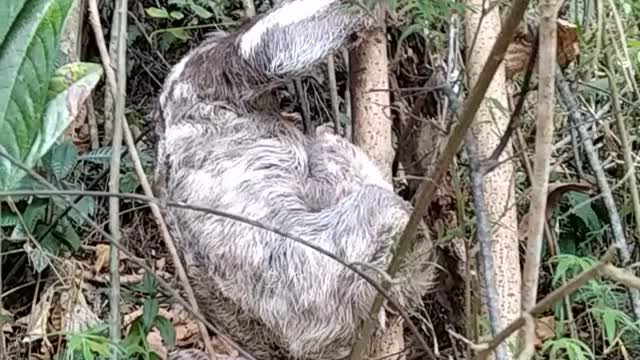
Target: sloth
{"type": "Point", "coordinates": [223, 144]}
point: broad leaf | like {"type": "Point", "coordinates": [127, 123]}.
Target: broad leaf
{"type": "Point", "coordinates": [200, 11]}
{"type": "Point", "coordinates": [62, 159]}
{"type": "Point", "coordinates": [8, 13]}
{"type": "Point", "coordinates": [98, 156]}
{"type": "Point", "coordinates": [160, 13]}
{"type": "Point", "coordinates": [71, 86]}
{"type": "Point", "coordinates": [149, 313]}
{"type": "Point", "coordinates": [27, 57]}
{"type": "Point", "coordinates": [167, 331]}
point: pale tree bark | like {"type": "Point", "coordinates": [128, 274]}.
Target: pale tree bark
{"type": "Point", "coordinates": [371, 119]}
{"type": "Point", "coordinates": [544, 145]}
{"type": "Point", "coordinates": [370, 109]}
{"type": "Point", "coordinates": [481, 32]}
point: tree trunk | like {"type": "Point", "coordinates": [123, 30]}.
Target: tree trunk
{"type": "Point", "coordinates": [371, 119]}
{"type": "Point", "coordinates": [489, 125]}
{"type": "Point", "coordinates": [370, 109]}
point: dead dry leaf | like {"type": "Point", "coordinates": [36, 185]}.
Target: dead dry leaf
{"type": "Point", "coordinates": [103, 253]}
{"type": "Point", "coordinates": [157, 345]}
{"type": "Point", "coordinates": [545, 329]}
{"type": "Point", "coordinates": [517, 57]}
{"type": "Point", "coordinates": [39, 317]}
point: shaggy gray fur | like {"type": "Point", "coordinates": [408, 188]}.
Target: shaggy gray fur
{"type": "Point", "coordinates": [222, 144]}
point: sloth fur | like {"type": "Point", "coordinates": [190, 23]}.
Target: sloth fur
{"type": "Point", "coordinates": [223, 145]}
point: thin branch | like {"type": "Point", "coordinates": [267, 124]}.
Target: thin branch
{"type": "Point", "coordinates": [333, 90]}
{"type": "Point", "coordinates": [544, 146]}
{"type": "Point", "coordinates": [119, 91]}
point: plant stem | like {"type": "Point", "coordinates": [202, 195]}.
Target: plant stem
{"type": "Point", "coordinates": [114, 179]}
{"type": "Point", "coordinates": [544, 146]}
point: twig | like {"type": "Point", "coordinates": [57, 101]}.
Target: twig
{"type": "Point", "coordinates": [119, 89]}
{"type": "Point", "coordinates": [144, 182]}
{"type": "Point", "coordinates": [348, 128]}
{"type": "Point", "coordinates": [333, 90]}
{"type": "Point", "coordinates": [483, 233]}
{"type": "Point", "coordinates": [306, 112]}
{"type": "Point", "coordinates": [569, 101]}
{"type": "Point", "coordinates": [544, 146]}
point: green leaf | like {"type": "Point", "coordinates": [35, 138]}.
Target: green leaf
{"type": "Point", "coordinates": [180, 3]}
{"type": "Point", "coordinates": [609, 321]}
{"type": "Point", "coordinates": [68, 235]}
{"type": "Point", "coordinates": [66, 101]}
{"type": "Point", "coordinates": [159, 13]}
{"type": "Point", "coordinates": [8, 219]}
{"type": "Point", "coordinates": [200, 11]}
{"type": "Point", "coordinates": [27, 57]}
{"type": "Point", "coordinates": [98, 156]}
{"type": "Point", "coordinates": [33, 213]}
{"type": "Point", "coordinates": [62, 159]}
{"type": "Point", "coordinates": [8, 12]}
{"type": "Point", "coordinates": [177, 15]}
{"type": "Point", "coordinates": [149, 313]}
{"type": "Point", "coordinates": [167, 331]}
{"type": "Point", "coordinates": [85, 207]}
{"type": "Point", "coordinates": [585, 212]}
{"type": "Point", "coordinates": [181, 34]}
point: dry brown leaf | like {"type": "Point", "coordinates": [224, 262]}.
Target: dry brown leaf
{"type": "Point", "coordinates": [519, 50]}
{"type": "Point", "coordinates": [545, 329]}
{"type": "Point", "coordinates": [103, 253]}
{"type": "Point", "coordinates": [187, 333]}
{"type": "Point", "coordinates": [157, 345]}
{"type": "Point", "coordinates": [39, 317]}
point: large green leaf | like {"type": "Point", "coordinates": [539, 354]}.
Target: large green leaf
{"type": "Point", "coordinates": [8, 13]}
{"type": "Point", "coordinates": [30, 34]}
{"type": "Point", "coordinates": [69, 88]}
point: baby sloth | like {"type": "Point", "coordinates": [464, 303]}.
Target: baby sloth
{"type": "Point", "coordinates": [224, 145]}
